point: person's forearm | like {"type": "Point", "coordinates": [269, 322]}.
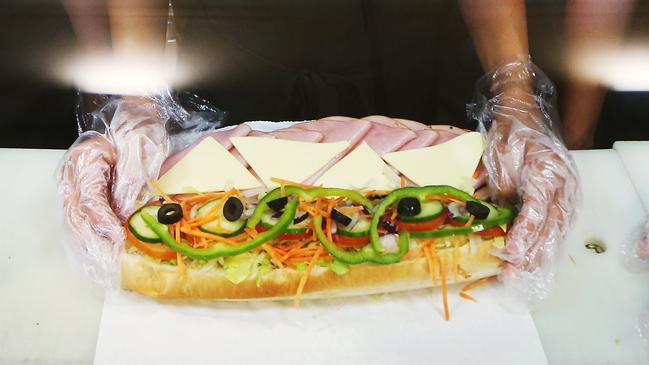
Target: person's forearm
{"type": "Point", "coordinates": [138, 27]}
{"type": "Point", "coordinates": [498, 29]}
{"type": "Point", "coordinates": [593, 28]}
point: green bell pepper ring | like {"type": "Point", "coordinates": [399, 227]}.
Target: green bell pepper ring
{"type": "Point", "coordinates": [366, 254]}
{"type": "Point", "coordinates": [222, 249]}
{"type": "Point", "coordinates": [504, 215]}
{"type": "Point", "coordinates": [306, 194]}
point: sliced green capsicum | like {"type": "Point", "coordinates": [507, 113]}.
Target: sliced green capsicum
{"type": "Point", "coordinates": [366, 254]}
{"type": "Point", "coordinates": [504, 215]}
{"type": "Point", "coordinates": [306, 194]}
{"type": "Point", "coordinates": [219, 248]}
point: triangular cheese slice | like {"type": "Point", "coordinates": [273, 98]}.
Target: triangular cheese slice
{"type": "Point", "coordinates": [450, 163]}
{"type": "Point", "coordinates": [207, 167]}
{"type": "Point", "coordinates": [361, 169]}
{"type": "Point", "coordinates": [284, 159]}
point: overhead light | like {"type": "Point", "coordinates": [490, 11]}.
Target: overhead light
{"type": "Point", "coordinates": [624, 68]}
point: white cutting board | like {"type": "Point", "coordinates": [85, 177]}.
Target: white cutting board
{"type": "Point", "coordinates": [591, 316]}
{"type": "Point", "coordinates": [48, 312]}
{"type": "Point", "coordinates": [635, 156]}
{"type": "Point", "coordinates": [396, 328]}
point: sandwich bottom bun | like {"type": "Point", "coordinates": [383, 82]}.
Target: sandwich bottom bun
{"type": "Point", "coordinates": [160, 280]}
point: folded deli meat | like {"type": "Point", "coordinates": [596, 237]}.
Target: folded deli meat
{"type": "Point", "coordinates": [332, 207]}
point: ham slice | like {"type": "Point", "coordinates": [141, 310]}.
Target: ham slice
{"type": "Point", "coordinates": [338, 118]}
{"type": "Point", "coordinates": [425, 138]}
{"type": "Point", "coordinates": [384, 139]}
{"type": "Point", "coordinates": [297, 135]}
{"type": "Point", "coordinates": [259, 134]}
{"type": "Point", "coordinates": [383, 120]}
{"type": "Point", "coordinates": [411, 124]}
{"type": "Point", "coordinates": [335, 130]}
{"type": "Point", "coordinates": [223, 137]}
{"type": "Point", "coordinates": [351, 130]}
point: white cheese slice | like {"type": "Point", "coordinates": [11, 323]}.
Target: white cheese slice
{"type": "Point", "coordinates": [361, 169]}
{"type": "Point", "coordinates": [450, 163]}
{"type": "Point", "coordinates": [289, 160]}
{"type": "Point", "coordinates": [207, 167]}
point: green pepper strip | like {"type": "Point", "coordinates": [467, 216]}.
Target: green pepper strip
{"type": "Point", "coordinates": [222, 249]}
{"type": "Point", "coordinates": [504, 215]}
{"type": "Point", "coordinates": [306, 194]}
{"type": "Point", "coordinates": [366, 254]}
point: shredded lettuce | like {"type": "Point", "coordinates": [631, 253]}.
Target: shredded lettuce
{"type": "Point", "coordinates": [300, 266]}
{"type": "Point", "coordinates": [339, 267]}
{"type": "Point", "coordinates": [247, 265]}
{"type": "Point", "coordinates": [239, 267]}
{"type": "Point", "coordinates": [499, 242]}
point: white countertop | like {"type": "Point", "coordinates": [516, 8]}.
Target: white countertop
{"type": "Point", "coordinates": [50, 314]}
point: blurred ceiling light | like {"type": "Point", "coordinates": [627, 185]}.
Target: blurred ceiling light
{"type": "Point", "coordinates": [623, 68]}
{"type": "Point", "coordinates": [104, 73]}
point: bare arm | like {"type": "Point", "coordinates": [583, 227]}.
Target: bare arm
{"type": "Point", "coordinates": [498, 28]}
{"type": "Point", "coordinates": [138, 28]}
{"type": "Point", "coordinates": [592, 26]}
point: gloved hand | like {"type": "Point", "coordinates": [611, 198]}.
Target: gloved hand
{"type": "Point", "coordinates": [526, 159]}
{"type": "Point", "coordinates": [103, 177]}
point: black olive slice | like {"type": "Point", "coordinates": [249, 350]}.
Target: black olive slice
{"type": "Point", "coordinates": [409, 207]}
{"type": "Point", "coordinates": [170, 213]}
{"type": "Point", "coordinates": [340, 218]}
{"type": "Point", "coordinates": [301, 218]}
{"type": "Point", "coordinates": [278, 204]}
{"type": "Point", "coordinates": [232, 209]}
{"type": "Point", "coordinates": [479, 211]}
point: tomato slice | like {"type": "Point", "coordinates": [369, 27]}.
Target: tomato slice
{"type": "Point", "coordinates": [456, 223]}
{"type": "Point", "coordinates": [422, 226]}
{"type": "Point", "coordinates": [350, 242]}
{"type": "Point", "coordinates": [286, 236]}
{"type": "Point", "coordinates": [491, 232]}
{"type": "Point", "coordinates": [156, 250]}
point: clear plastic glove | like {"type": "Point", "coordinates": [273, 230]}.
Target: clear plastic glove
{"type": "Point", "coordinates": [526, 159]}
{"type": "Point", "coordinates": [103, 178]}
{"type": "Point", "coordinates": [104, 175]}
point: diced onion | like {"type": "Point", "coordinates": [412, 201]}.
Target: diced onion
{"type": "Point", "coordinates": [389, 242]}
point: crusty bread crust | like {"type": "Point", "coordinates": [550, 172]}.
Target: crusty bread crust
{"type": "Point", "coordinates": [158, 280]}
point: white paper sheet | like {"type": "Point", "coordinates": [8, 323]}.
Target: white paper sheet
{"type": "Point", "coordinates": [398, 328]}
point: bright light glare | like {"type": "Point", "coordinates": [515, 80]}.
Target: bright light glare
{"type": "Point", "coordinates": [623, 68]}
{"type": "Point", "coordinates": [124, 76]}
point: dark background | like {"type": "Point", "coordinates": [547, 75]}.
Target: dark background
{"type": "Point", "coordinates": [292, 60]}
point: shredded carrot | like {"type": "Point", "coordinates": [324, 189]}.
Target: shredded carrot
{"type": "Point", "coordinates": [376, 192]}
{"type": "Point", "coordinates": [251, 232]}
{"type": "Point", "coordinates": [160, 192]}
{"type": "Point", "coordinates": [180, 263]}
{"type": "Point", "coordinates": [431, 264]}
{"type": "Point", "coordinates": [283, 183]}
{"type": "Point", "coordinates": [329, 208]}
{"type": "Point", "coordinates": [478, 283]}
{"type": "Point", "coordinates": [467, 297]}
{"type": "Point", "coordinates": [445, 197]}
{"type": "Point", "coordinates": [201, 197]}
{"type": "Point", "coordinates": [442, 269]}
{"type": "Point", "coordinates": [356, 208]}
{"type": "Point", "coordinates": [402, 181]}
{"type": "Point", "coordinates": [470, 220]}
{"type": "Point", "coordinates": [271, 252]}
{"type": "Point", "coordinates": [208, 236]}
{"type": "Point", "coordinates": [393, 216]}
{"type": "Point", "coordinates": [455, 263]}
{"type": "Point", "coordinates": [305, 276]}
{"type": "Point", "coordinates": [214, 212]}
